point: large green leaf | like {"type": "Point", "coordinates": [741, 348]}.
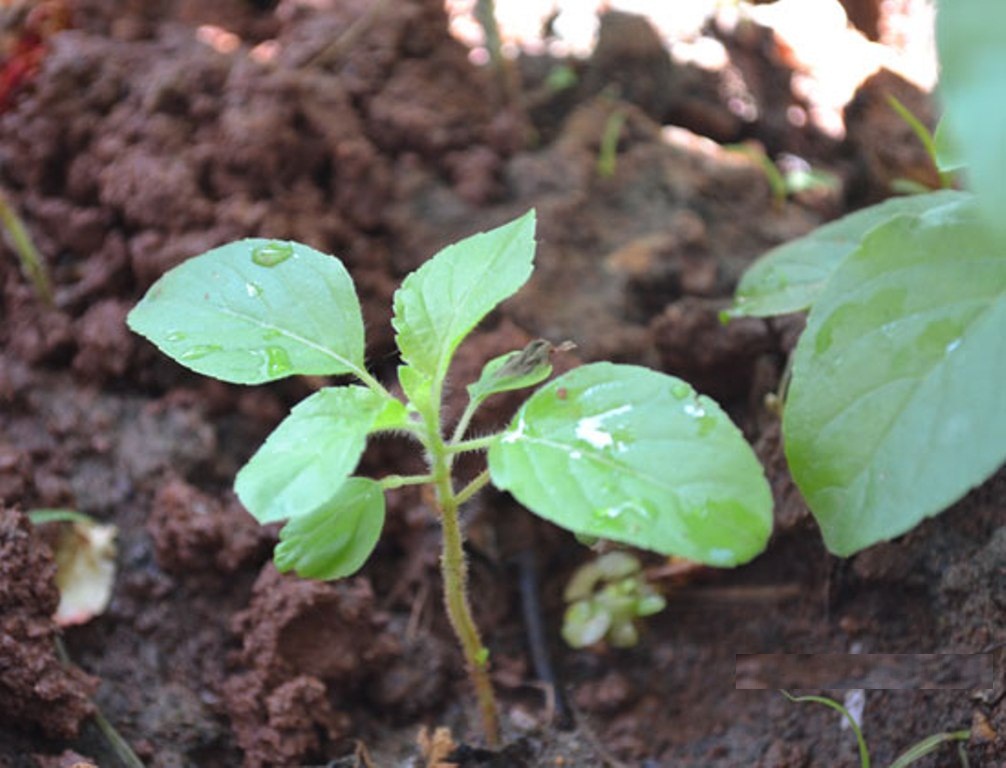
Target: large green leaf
{"type": "Point", "coordinates": [438, 304]}
{"type": "Point", "coordinates": [790, 277]}
{"type": "Point", "coordinates": [255, 311]}
{"type": "Point", "coordinates": [629, 454]}
{"type": "Point", "coordinates": [335, 539]}
{"type": "Point", "coordinates": [896, 406]}
{"type": "Point", "coordinates": [313, 450]}
{"type": "Point", "coordinates": [969, 35]}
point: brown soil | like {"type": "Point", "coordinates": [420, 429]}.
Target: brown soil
{"type": "Point", "coordinates": [136, 145]}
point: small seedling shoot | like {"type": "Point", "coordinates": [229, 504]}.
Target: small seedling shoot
{"type": "Point", "coordinates": [911, 755]}
{"type": "Point", "coordinates": [604, 598]}
{"type": "Point", "coordinates": [617, 452]}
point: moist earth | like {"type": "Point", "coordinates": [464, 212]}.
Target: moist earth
{"type": "Point", "coordinates": [365, 131]}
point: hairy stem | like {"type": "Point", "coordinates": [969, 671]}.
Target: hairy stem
{"type": "Point", "coordinates": [454, 571]}
{"type": "Point", "coordinates": [475, 444]}
{"type": "Point", "coordinates": [480, 481]}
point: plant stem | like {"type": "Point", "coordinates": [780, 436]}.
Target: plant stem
{"type": "Point", "coordinates": [454, 571]}
{"type": "Point", "coordinates": [464, 421]}
{"type": "Point", "coordinates": [475, 444]}
{"type": "Point", "coordinates": [372, 383]}
{"type": "Point", "coordinates": [389, 482]}
{"type": "Point", "coordinates": [479, 482]}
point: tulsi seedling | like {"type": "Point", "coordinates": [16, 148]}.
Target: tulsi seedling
{"type": "Point", "coordinates": [605, 597]}
{"type": "Point", "coordinates": [612, 451]}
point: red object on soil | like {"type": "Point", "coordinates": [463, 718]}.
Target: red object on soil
{"type": "Point", "coordinates": [25, 47]}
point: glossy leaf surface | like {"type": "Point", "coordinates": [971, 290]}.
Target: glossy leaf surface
{"type": "Point", "coordinates": [896, 406]}
{"type": "Point", "coordinates": [438, 304]}
{"type": "Point", "coordinates": [790, 277]}
{"type": "Point", "coordinates": [334, 540]}
{"type": "Point", "coordinates": [313, 450]}
{"type": "Point", "coordinates": [256, 311]}
{"type": "Point", "coordinates": [632, 455]}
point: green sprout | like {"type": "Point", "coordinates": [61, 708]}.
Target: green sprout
{"type": "Point", "coordinates": [32, 264]}
{"type": "Point", "coordinates": [914, 753]}
{"type": "Point", "coordinates": [607, 153]}
{"type": "Point", "coordinates": [605, 598]}
{"type": "Point", "coordinates": [928, 141]}
{"type": "Point", "coordinates": [784, 183]}
{"type": "Point", "coordinates": [618, 452]}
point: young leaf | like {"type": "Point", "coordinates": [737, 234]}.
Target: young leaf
{"type": "Point", "coordinates": [417, 387]}
{"type": "Point", "coordinates": [514, 370]}
{"type": "Point", "coordinates": [438, 304]}
{"type": "Point", "coordinates": [313, 450]}
{"type": "Point", "coordinates": [969, 36]}
{"type": "Point", "coordinates": [896, 405]}
{"type": "Point", "coordinates": [632, 455]}
{"type": "Point", "coordinates": [335, 539]}
{"type": "Point", "coordinates": [789, 278]}
{"type": "Point", "coordinates": [256, 311]}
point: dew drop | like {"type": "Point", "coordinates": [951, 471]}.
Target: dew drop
{"type": "Point", "coordinates": [199, 351]}
{"type": "Point", "coordinates": [694, 410]}
{"type": "Point", "coordinates": [680, 390]}
{"type": "Point", "coordinates": [277, 361]}
{"type": "Point", "coordinates": [176, 336]}
{"type": "Point", "coordinates": [253, 290]}
{"type": "Point", "coordinates": [271, 254]}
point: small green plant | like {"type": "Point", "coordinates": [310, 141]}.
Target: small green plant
{"type": "Point", "coordinates": [788, 182]}
{"type": "Point", "coordinates": [916, 752]}
{"type": "Point", "coordinates": [928, 141]}
{"type": "Point", "coordinates": [605, 597]}
{"type": "Point", "coordinates": [32, 264]}
{"type": "Point", "coordinates": [611, 451]}
{"type": "Point", "coordinates": [607, 152]}
{"type": "Point", "coordinates": [895, 408]}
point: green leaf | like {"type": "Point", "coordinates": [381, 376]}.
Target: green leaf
{"type": "Point", "coordinates": [790, 277]}
{"type": "Point", "coordinates": [927, 746]}
{"type": "Point", "coordinates": [417, 388]}
{"type": "Point", "coordinates": [948, 155]}
{"type": "Point", "coordinates": [896, 404]}
{"type": "Point", "coordinates": [514, 370]}
{"type": "Point", "coordinates": [335, 539]}
{"type": "Point", "coordinates": [585, 623]}
{"type": "Point", "coordinates": [438, 304]}
{"type": "Point", "coordinates": [313, 450]}
{"type": "Point", "coordinates": [632, 455]}
{"type": "Point", "coordinates": [256, 311]}
{"type": "Point", "coordinates": [969, 36]}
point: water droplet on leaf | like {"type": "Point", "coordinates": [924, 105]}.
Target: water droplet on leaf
{"type": "Point", "coordinates": [199, 351]}
{"type": "Point", "coordinates": [271, 254]}
{"type": "Point", "coordinates": [277, 361]}
{"type": "Point", "coordinates": [680, 390]}
{"type": "Point", "coordinates": [176, 336]}
{"type": "Point", "coordinates": [253, 290]}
